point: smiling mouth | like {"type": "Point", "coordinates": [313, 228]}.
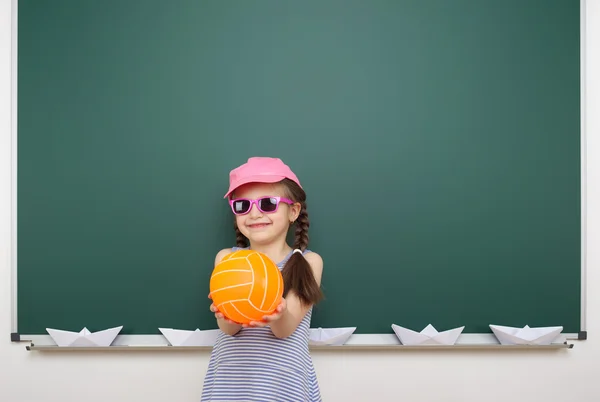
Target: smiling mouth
{"type": "Point", "coordinates": [258, 225]}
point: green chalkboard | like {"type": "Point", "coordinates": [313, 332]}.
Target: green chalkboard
{"type": "Point", "coordinates": [438, 141]}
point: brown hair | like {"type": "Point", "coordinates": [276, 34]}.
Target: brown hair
{"type": "Point", "coordinates": [297, 272]}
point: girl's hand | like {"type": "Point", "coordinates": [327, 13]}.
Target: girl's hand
{"type": "Point", "coordinates": [267, 319]}
{"type": "Point", "coordinates": [218, 314]}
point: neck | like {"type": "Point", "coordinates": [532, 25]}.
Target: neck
{"type": "Point", "coordinates": [276, 251]}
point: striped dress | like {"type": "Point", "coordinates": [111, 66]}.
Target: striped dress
{"type": "Point", "coordinates": [255, 365]}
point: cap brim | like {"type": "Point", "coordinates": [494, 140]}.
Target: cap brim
{"type": "Point", "coordinates": [254, 179]}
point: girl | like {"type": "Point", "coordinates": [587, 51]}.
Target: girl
{"type": "Point", "coordinates": [269, 360]}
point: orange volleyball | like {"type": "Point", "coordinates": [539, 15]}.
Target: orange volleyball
{"type": "Point", "coordinates": [246, 285]}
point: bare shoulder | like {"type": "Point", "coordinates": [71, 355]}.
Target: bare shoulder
{"type": "Point", "coordinates": [222, 254]}
{"type": "Point", "coordinates": [315, 261]}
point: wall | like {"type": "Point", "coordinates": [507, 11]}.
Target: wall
{"type": "Point", "coordinates": [404, 376]}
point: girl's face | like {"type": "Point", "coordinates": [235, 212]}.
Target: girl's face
{"type": "Point", "coordinates": [264, 213]}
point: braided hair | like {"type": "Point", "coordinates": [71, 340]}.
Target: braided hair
{"type": "Point", "coordinates": [297, 272]}
{"type": "Point", "coordinates": [240, 240]}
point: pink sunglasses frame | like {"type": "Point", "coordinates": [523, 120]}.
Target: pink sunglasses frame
{"type": "Point", "coordinates": [256, 202]}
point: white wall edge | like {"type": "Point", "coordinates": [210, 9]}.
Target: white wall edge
{"type": "Point", "coordinates": [583, 161]}
{"type": "Point", "coordinates": [13, 184]}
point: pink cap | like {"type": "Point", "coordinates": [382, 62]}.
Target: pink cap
{"type": "Point", "coordinates": [260, 170]}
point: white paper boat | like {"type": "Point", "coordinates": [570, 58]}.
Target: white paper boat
{"type": "Point", "coordinates": [84, 337]}
{"type": "Point", "coordinates": [330, 336]}
{"type": "Point", "coordinates": [526, 335]}
{"type": "Point", "coordinates": [181, 337]}
{"type": "Point", "coordinates": [428, 336]}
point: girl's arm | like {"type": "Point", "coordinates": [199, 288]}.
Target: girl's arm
{"type": "Point", "coordinates": [227, 326]}
{"type": "Point", "coordinates": [291, 311]}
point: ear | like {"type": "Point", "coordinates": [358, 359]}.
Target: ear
{"type": "Point", "coordinates": [294, 211]}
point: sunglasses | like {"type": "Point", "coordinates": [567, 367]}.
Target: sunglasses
{"type": "Point", "coordinates": [241, 206]}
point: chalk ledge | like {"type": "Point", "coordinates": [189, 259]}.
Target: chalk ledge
{"type": "Point", "coordinates": [348, 347]}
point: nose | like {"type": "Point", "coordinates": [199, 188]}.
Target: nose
{"type": "Point", "coordinates": [254, 211]}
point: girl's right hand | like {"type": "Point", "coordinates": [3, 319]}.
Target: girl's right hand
{"type": "Point", "coordinates": [218, 314]}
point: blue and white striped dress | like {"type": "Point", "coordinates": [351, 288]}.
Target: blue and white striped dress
{"type": "Point", "coordinates": [255, 365]}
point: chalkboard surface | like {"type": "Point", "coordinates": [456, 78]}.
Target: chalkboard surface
{"type": "Point", "coordinates": [439, 144]}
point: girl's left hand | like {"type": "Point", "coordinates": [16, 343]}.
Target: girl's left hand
{"type": "Point", "coordinates": [267, 319]}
